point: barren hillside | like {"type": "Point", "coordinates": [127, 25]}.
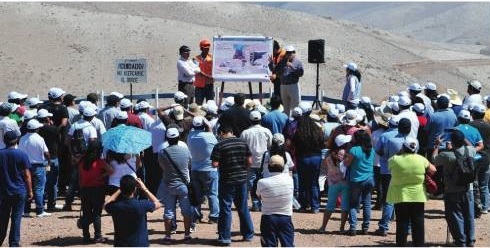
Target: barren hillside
{"type": "Point", "coordinates": [74, 45]}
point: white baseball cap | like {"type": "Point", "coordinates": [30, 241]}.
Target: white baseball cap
{"type": "Point", "coordinates": [43, 113]}
{"type": "Point", "coordinates": [119, 95]}
{"type": "Point", "coordinates": [351, 66]}
{"type": "Point", "coordinates": [179, 95]}
{"type": "Point", "coordinates": [403, 93]}
{"type": "Point", "coordinates": [297, 112]}
{"type": "Point", "coordinates": [475, 84]}
{"type": "Point", "coordinates": [404, 101]}
{"type": "Point", "coordinates": [55, 92]}
{"type": "Point", "coordinates": [393, 98]}
{"type": "Point", "coordinates": [143, 105]}
{"type": "Point", "coordinates": [479, 108]}
{"type": "Point", "coordinates": [16, 95]}
{"type": "Point", "coordinates": [340, 107]}
{"type": "Point", "coordinates": [342, 139]}
{"type": "Point", "coordinates": [122, 115]}
{"type": "Point", "coordinates": [394, 120]}
{"type": "Point", "coordinates": [33, 101]}
{"type": "Point", "coordinates": [278, 138]}
{"type": "Point", "coordinates": [255, 116]}
{"type": "Point", "coordinates": [212, 108]}
{"type": "Point", "coordinates": [305, 107]}
{"type": "Point", "coordinates": [430, 86]}
{"type": "Point", "coordinates": [126, 103]}
{"type": "Point", "coordinates": [197, 121]}
{"type": "Point", "coordinates": [88, 111]}
{"type": "Point", "coordinates": [419, 108]}
{"type": "Point", "coordinates": [34, 124]}
{"type": "Point", "coordinates": [289, 48]}
{"type": "Point", "coordinates": [333, 112]}
{"type": "Point", "coordinates": [229, 101]}
{"type": "Point", "coordinates": [411, 143]}
{"type": "Point", "coordinates": [465, 114]}
{"type": "Point", "coordinates": [172, 133]}
{"type": "Point", "coordinates": [29, 114]}
{"type": "Point", "coordinates": [350, 118]}
{"type": "Point", "coordinates": [365, 99]}
{"type": "Point", "coordinates": [415, 87]}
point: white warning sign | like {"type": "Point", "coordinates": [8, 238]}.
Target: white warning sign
{"type": "Point", "coordinates": [131, 70]}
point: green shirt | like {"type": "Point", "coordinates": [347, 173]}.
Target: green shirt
{"type": "Point", "coordinates": [407, 178]}
{"type": "Point", "coordinates": [448, 160]}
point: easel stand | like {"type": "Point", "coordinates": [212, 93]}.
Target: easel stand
{"type": "Point", "coordinates": [316, 102]}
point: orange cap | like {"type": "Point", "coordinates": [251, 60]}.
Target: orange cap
{"type": "Point", "coordinates": [204, 43]}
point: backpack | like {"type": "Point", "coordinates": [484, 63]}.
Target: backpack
{"type": "Point", "coordinates": [464, 171]}
{"type": "Point", "coordinates": [78, 144]}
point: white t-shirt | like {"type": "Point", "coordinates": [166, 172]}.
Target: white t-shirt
{"type": "Point", "coordinates": [276, 193]}
{"type": "Point", "coordinates": [99, 126]}
{"type": "Point", "coordinates": [259, 140]}
{"type": "Point", "coordinates": [146, 120]}
{"type": "Point", "coordinates": [186, 70]}
{"type": "Point", "coordinates": [35, 147]}
{"type": "Point", "coordinates": [157, 130]}
{"type": "Point", "coordinates": [471, 100]}
{"type": "Point", "coordinates": [89, 131]}
{"type": "Point", "coordinates": [121, 170]}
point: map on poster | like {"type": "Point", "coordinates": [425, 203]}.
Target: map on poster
{"type": "Point", "coordinates": [241, 58]}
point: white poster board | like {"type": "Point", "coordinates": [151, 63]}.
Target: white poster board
{"type": "Point", "coordinates": [241, 58]}
{"type": "Point", "coordinates": [131, 70]}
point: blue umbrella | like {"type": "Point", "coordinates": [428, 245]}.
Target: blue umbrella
{"type": "Point", "coordinates": [126, 139]}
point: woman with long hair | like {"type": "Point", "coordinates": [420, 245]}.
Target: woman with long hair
{"type": "Point", "coordinates": [407, 191]}
{"type": "Point", "coordinates": [308, 144]}
{"type": "Point", "coordinates": [352, 89]}
{"type": "Point", "coordinates": [93, 172]}
{"type": "Point", "coordinates": [360, 160]}
{"type": "Point", "coordinates": [122, 164]}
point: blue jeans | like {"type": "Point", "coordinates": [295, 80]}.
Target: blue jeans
{"type": "Point", "coordinates": [360, 192]}
{"type": "Point", "coordinates": [38, 173]}
{"type": "Point", "coordinates": [308, 173]}
{"type": "Point", "coordinates": [460, 217]}
{"type": "Point", "coordinates": [388, 209]}
{"type": "Point", "coordinates": [276, 227]}
{"type": "Point", "coordinates": [252, 175]}
{"type": "Point", "coordinates": [236, 194]}
{"type": "Point", "coordinates": [170, 197]}
{"type": "Point", "coordinates": [52, 183]}
{"type": "Point", "coordinates": [11, 207]}
{"type": "Point", "coordinates": [205, 183]}
{"type": "Point", "coordinates": [482, 175]}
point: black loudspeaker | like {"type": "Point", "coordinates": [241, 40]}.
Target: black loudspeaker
{"type": "Point", "coordinates": [316, 51]}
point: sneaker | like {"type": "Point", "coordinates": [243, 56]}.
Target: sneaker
{"type": "Point", "coordinates": [254, 209]}
{"type": "Point", "coordinates": [484, 211]}
{"type": "Point", "coordinates": [43, 214]}
{"type": "Point", "coordinates": [315, 211]}
{"type": "Point", "coordinates": [167, 239]}
{"type": "Point", "coordinates": [187, 238]}
{"type": "Point", "coordinates": [193, 229]}
{"type": "Point", "coordinates": [100, 240]}
{"type": "Point", "coordinates": [173, 231]}
{"type": "Point", "coordinates": [380, 232]}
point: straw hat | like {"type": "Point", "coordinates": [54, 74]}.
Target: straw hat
{"type": "Point", "coordinates": [454, 97]}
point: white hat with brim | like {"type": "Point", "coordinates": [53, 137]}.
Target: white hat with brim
{"type": "Point", "coordinates": [172, 133]}
{"type": "Point", "coordinates": [34, 124]}
{"type": "Point", "coordinates": [16, 95]}
{"type": "Point", "coordinates": [43, 113]}
{"type": "Point", "coordinates": [351, 66]}
{"type": "Point", "coordinates": [349, 118]}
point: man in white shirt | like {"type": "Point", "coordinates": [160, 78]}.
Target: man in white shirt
{"type": "Point", "coordinates": [146, 119]}
{"type": "Point", "coordinates": [276, 193]}
{"type": "Point", "coordinates": [404, 103]}
{"type": "Point", "coordinates": [474, 96]}
{"type": "Point", "coordinates": [259, 140]}
{"type": "Point", "coordinates": [37, 152]}
{"type": "Point", "coordinates": [186, 71]}
{"type": "Point", "coordinates": [7, 124]}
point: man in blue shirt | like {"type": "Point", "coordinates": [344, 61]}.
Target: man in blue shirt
{"type": "Point", "coordinates": [388, 145]}
{"type": "Point", "coordinates": [275, 120]}
{"type": "Point", "coordinates": [470, 133]}
{"type": "Point", "coordinates": [204, 176]}
{"type": "Point", "coordinates": [441, 119]}
{"type": "Point", "coordinates": [129, 214]}
{"type": "Point", "coordinates": [15, 187]}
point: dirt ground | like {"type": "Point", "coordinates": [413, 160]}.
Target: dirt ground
{"type": "Point", "coordinates": [60, 230]}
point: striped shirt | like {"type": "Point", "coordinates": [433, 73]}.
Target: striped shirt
{"type": "Point", "coordinates": [232, 154]}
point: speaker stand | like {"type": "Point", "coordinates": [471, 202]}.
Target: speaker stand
{"type": "Point", "coordinates": [316, 102]}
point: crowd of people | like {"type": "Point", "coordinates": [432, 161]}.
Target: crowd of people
{"type": "Point", "coordinates": [283, 154]}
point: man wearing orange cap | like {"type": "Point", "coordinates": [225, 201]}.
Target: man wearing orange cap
{"type": "Point", "coordinates": [204, 83]}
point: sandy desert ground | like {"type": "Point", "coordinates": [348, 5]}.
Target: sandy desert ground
{"type": "Point", "coordinates": [60, 230]}
{"type": "Point", "coordinates": [74, 45]}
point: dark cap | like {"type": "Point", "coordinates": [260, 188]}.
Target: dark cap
{"type": "Point", "coordinates": [69, 98]}
{"type": "Point", "coordinates": [10, 137]}
{"type": "Point", "coordinates": [184, 49]}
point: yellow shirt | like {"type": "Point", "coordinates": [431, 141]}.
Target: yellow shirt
{"type": "Point", "coordinates": [407, 178]}
{"type": "Point", "coordinates": [486, 118]}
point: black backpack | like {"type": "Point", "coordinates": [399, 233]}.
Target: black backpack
{"type": "Point", "coordinates": [78, 144]}
{"type": "Point", "coordinates": [464, 171]}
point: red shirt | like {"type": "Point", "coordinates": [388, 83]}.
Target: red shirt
{"type": "Point", "coordinates": [134, 120]}
{"type": "Point", "coordinates": [91, 177]}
